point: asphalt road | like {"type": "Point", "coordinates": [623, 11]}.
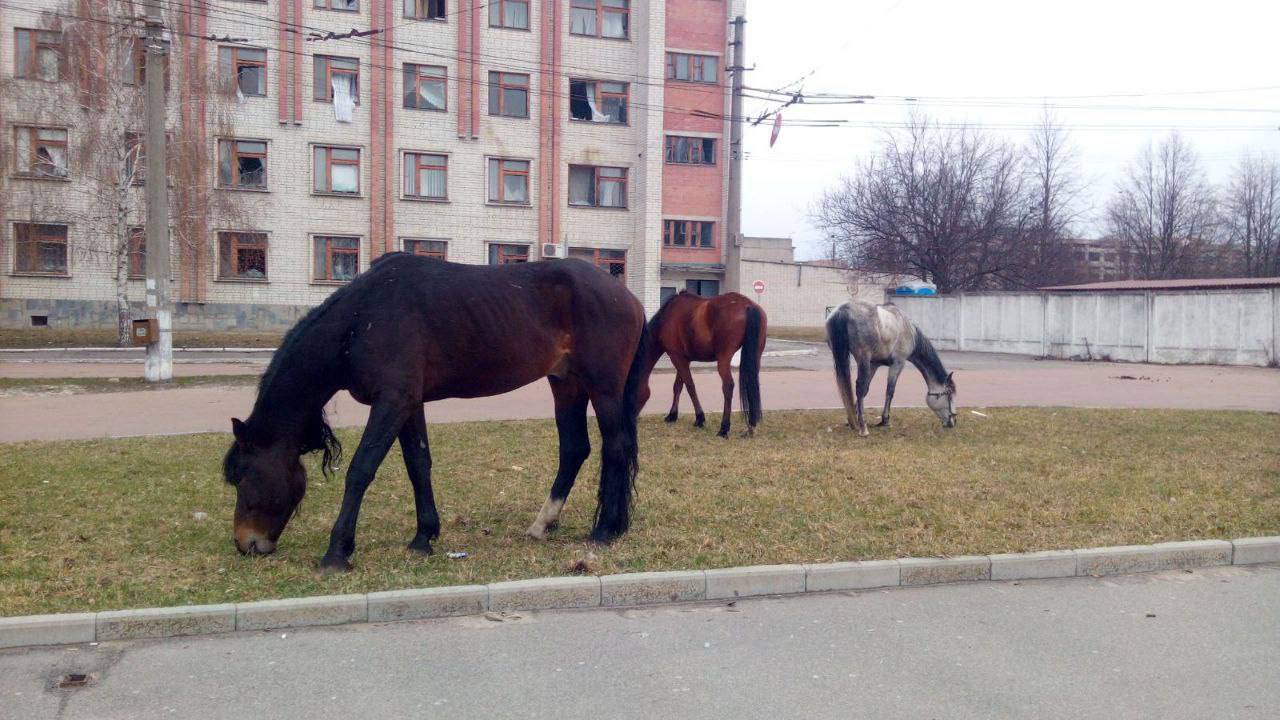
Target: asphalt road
{"type": "Point", "coordinates": [791, 381]}
{"type": "Point", "coordinates": [1203, 644]}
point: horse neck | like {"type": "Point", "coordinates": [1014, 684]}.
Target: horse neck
{"type": "Point", "coordinates": [926, 360]}
{"type": "Point", "coordinates": [292, 395]}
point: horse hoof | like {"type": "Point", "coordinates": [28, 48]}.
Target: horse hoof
{"type": "Point", "coordinates": [724, 433]}
{"type": "Point", "coordinates": [537, 532]}
{"type": "Point", "coordinates": [333, 566]}
{"type": "Point", "coordinates": [671, 417]}
{"type": "Point", "coordinates": [700, 421]}
{"type": "Point", "coordinates": [421, 546]}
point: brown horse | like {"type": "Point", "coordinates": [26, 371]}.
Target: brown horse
{"type": "Point", "coordinates": [411, 330]}
{"type": "Point", "coordinates": [688, 327]}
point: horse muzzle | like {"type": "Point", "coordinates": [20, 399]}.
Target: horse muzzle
{"type": "Point", "coordinates": [252, 542]}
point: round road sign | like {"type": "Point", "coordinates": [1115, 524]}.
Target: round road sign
{"type": "Point", "coordinates": [758, 286]}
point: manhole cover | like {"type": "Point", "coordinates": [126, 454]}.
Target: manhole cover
{"type": "Point", "coordinates": [71, 681]}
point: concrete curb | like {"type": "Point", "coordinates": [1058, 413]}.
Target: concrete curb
{"type": "Point", "coordinates": [625, 590]}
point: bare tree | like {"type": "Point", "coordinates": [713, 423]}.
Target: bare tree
{"type": "Point", "coordinates": [1054, 192]}
{"type": "Point", "coordinates": [85, 129]}
{"type": "Point", "coordinates": [1251, 214]}
{"type": "Point", "coordinates": [1164, 213]}
{"type": "Point", "coordinates": [943, 205]}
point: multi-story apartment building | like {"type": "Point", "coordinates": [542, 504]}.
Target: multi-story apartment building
{"type": "Point", "coordinates": [486, 132]}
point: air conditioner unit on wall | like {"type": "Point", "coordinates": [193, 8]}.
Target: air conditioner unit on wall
{"type": "Point", "coordinates": [553, 250]}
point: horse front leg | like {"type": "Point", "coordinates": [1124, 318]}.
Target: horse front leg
{"type": "Point", "coordinates": [675, 399]}
{"type": "Point", "coordinates": [894, 370]}
{"type": "Point", "coordinates": [686, 376]}
{"type": "Point", "coordinates": [575, 446]}
{"type": "Point", "coordinates": [723, 365]}
{"type": "Point", "coordinates": [384, 425]}
{"type": "Point", "coordinates": [417, 461]}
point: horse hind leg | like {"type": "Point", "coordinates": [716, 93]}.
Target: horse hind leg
{"type": "Point", "coordinates": [618, 464]}
{"type": "Point", "coordinates": [723, 365]}
{"type": "Point", "coordinates": [417, 461]}
{"type": "Point", "coordinates": [575, 447]}
{"type": "Point", "coordinates": [675, 399]}
{"type": "Point", "coordinates": [865, 373]}
{"type": "Point", "coordinates": [686, 376]}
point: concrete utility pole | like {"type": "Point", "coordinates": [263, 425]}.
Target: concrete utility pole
{"type": "Point", "coordinates": [733, 223]}
{"type": "Point", "coordinates": [159, 362]}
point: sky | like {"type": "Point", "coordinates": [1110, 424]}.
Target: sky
{"type": "Point", "coordinates": [997, 64]}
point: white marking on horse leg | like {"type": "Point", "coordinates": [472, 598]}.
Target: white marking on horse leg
{"type": "Point", "coordinates": [548, 517]}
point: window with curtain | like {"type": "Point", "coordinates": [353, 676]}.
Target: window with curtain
{"type": "Point", "coordinates": [690, 150]}
{"type": "Point", "coordinates": [511, 14]}
{"type": "Point", "coordinates": [331, 72]}
{"type": "Point", "coordinates": [336, 170]}
{"type": "Point", "coordinates": [425, 9]}
{"type": "Point", "coordinates": [426, 175]}
{"type": "Point", "coordinates": [693, 68]}
{"type": "Point", "coordinates": [425, 87]}
{"type": "Point", "coordinates": [601, 18]}
{"type": "Point", "coordinates": [37, 54]}
{"type": "Point", "coordinates": [592, 186]}
{"type": "Point", "coordinates": [599, 101]}
{"type": "Point", "coordinates": [509, 181]}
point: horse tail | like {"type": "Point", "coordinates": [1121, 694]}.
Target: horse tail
{"type": "Point", "coordinates": [749, 368]}
{"type": "Point", "coordinates": [838, 341]}
{"type": "Point", "coordinates": [613, 505]}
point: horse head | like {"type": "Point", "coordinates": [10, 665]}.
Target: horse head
{"type": "Point", "coordinates": [270, 482]}
{"type": "Point", "coordinates": [942, 401]}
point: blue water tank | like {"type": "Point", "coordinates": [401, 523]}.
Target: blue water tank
{"type": "Point", "coordinates": [916, 287]}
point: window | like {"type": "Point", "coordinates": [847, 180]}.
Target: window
{"type": "Point", "coordinates": [613, 262]}
{"type": "Point", "coordinates": [137, 252]}
{"type": "Point", "coordinates": [604, 18]}
{"type": "Point", "coordinates": [242, 164]}
{"type": "Point", "coordinates": [134, 71]}
{"type": "Point", "coordinates": [1095, 257]}
{"type": "Point", "coordinates": [426, 176]}
{"type": "Point", "coordinates": [425, 87]}
{"type": "Point", "coordinates": [334, 75]}
{"type": "Point", "coordinates": [598, 101]}
{"type": "Point", "coordinates": [705, 288]}
{"type": "Point", "coordinates": [40, 248]}
{"type": "Point", "coordinates": [509, 94]}
{"type": "Point", "coordinates": [344, 5]}
{"type": "Point", "coordinates": [509, 181]}
{"type": "Point", "coordinates": [437, 249]}
{"type": "Point", "coordinates": [242, 256]}
{"type": "Point", "coordinates": [591, 186]}
{"type": "Point", "coordinates": [512, 14]}
{"type": "Point", "coordinates": [425, 9]}
{"type": "Point", "coordinates": [693, 68]}
{"type": "Point", "coordinates": [688, 233]}
{"type": "Point", "coordinates": [245, 69]}
{"type": "Point", "coordinates": [507, 254]}
{"type": "Point", "coordinates": [37, 54]}
{"type": "Point", "coordinates": [691, 150]}
{"type": "Point", "coordinates": [41, 152]}
{"type": "Point", "coordinates": [336, 170]}
{"type": "Point", "coordinates": [665, 293]}
{"type": "Point", "coordinates": [337, 258]}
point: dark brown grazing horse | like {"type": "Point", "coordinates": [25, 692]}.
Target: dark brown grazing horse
{"type": "Point", "coordinates": [689, 327]}
{"type": "Point", "coordinates": [411, 330]}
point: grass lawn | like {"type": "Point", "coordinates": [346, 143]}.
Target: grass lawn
{"type": "Point", "coordinates": [111, 524]}
{"type": "Point", "coordinates": [39, 337]}
{"type": "Point", "coordinates": [808, 334]}
{"type": "Point", "coordinates": [73, 386]}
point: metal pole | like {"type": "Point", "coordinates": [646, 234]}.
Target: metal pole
{"type": "Point", "coordinates": [733, 223]}
{"type": "Point", "coordinates": [159, 362]}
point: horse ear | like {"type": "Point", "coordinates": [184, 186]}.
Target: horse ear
{"type": "Point", "coordinates": [239, 429]}
{"type": "Point", "coordinates": [951, 379]}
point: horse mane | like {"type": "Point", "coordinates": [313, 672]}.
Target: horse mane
{"type": "Point", "coordinates": [925, 357]}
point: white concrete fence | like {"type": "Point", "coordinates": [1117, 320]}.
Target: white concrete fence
{"type": "Point", "coordinates": [1221, 327]}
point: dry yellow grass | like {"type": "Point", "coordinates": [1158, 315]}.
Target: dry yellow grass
{"type": "Point", "coordinates": [38, 337]}
{"type": "Point", "coordinates": [109, 524]}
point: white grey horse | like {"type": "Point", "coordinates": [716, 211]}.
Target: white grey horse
{"type": "Point", "coordinates": [880, 335]}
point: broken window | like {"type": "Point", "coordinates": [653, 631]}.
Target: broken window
{"type": "Point", "coordinates": [506, 254]}
{"type": "Point", "coordinates": [693, 68]}
{"type": "Point", "coordinates": [40, 248]}
{"type": "Point", "coordinates": [598, 101]}
{"type": "Point", "coordinates": [512, 14]}
{"type": "Point", "coordinates": [688, 234]}
{"type": "Point", "coordinates": [509, 181]}
{"type": "Point", "coordinates": [336, 170]}
{"type": "Point", "coordinates": [425, 176]}
{"type": "Point", "coordinates": [137, 252]}
{"type": "Point", "coordinates": [344, 5]}
{"type": "Point", "coordinates": [613, 262]}
{"type": "Point", "coordinates": [424, 9]}
{"type": "Point", "coordinates": [41, 152]}
{"type": "Point", "coordinates": [245, 69]}
{"type": "Point", "coordinates": [437, 249]}
{"type": "Point", "coordinates": [690, 150]}
{"type": "Point", "coordinates": [242, 164]}
{"type": "Point", "coordinates": [593, 186]}
{"type": "Point", "coordinates": [37, 54]}
{"type": "Point", "coordinates": [602, 18]}
{"type": "Point", "coordinates": [425, 87]}
{"type": "Point", "coordinates": [334, 75]}
{"type": "Point", "coordinates": [242, 256]}
{"type": "Point", "coordinates": [509, 94]}
{"type": "Point", "coordinates": [337, 258]}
